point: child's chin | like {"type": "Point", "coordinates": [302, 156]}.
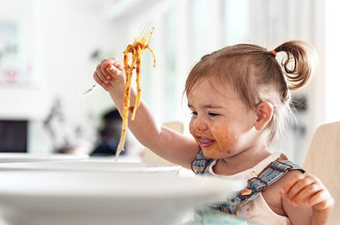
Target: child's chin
{"type": "Point", "coordinates": [212, 154]}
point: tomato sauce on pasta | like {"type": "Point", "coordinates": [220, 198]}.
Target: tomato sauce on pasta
{"type": "Point", "coordinates": [135, 51]}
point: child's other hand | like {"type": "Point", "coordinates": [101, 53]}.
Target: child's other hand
{"type": "Point", "coordinates": [308, 189]}
{"type": "Point", "coordinates": [110, 74]}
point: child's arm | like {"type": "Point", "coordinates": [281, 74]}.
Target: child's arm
{"type": "Point", "coordinates": [170, 145]}
{"type": "Point", "coordinates": [305, 199]}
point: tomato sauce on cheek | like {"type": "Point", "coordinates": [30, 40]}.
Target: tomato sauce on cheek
{"type": "Point", "coordinates": [224, 138]}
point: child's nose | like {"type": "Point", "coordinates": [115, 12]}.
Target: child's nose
{"type": "Point", "coordinates": [200, 124]}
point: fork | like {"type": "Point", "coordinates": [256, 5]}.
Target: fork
{"type": "Point", "coordinates": [142, 37]}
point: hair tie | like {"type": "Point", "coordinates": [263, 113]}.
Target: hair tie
{"type": "Point", "coordinates": [273, 52]}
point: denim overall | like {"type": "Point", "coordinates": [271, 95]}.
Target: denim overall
{"type": "Point", "coordinates": [272, 173]}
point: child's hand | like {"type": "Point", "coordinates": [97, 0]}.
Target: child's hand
{"type": "Point", "coordinates": [308, 189]}
{"type": "Point", "coordinates": [110, 75]}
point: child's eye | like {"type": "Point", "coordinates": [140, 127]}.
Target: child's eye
{"type": "Point", "coordinates": [213, 114]}
{"type": "Point", "coordinates": [194, 113]}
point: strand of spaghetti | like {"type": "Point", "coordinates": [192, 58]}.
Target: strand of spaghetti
{"type": "Point", "coordinates": [127, 92]}
{"type": "Point", "coordinates": [139, 89]}
{"type": "Point", "coordinates": [153, 55]}
{"type": "Point", "coordinates": [138, 81]}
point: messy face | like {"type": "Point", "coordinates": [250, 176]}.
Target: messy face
{"type": "Point", "coordinates": [220, 122]}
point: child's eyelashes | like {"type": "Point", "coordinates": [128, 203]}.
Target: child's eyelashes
{"type": "Point", "coordinates": [194, 113]}
{"type": "Point", "coordinates": [213, 114]}
{"type": "Point", "coordinates": [209, 114]}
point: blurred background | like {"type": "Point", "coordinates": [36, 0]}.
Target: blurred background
{"type": "Point", "coordinates": [49, 50]}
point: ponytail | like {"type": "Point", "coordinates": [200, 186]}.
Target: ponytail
{"type": "Point", "coordinates": [298, 65]}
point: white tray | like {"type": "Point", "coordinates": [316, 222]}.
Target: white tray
{"type": "Point", "coordinates": [83, 198]}
{"type": "Point", "coordinates": [29, 157]}
{"type": "Point", "coordinates": [119, 167]}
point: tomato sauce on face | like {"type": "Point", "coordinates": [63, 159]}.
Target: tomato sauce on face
{"type": "Point", "coordinates": [224, 141]}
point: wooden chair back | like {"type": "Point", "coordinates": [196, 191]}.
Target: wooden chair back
{"type": "Point", "coordinates": [323, 161]}
{"type": "Point", "coordinates": [150, 157]}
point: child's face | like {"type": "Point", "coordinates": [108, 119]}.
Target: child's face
{"type": "Point", "coordinates": [220, 123]}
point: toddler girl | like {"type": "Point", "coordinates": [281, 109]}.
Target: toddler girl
{"type": "Point", "coordinates": [240, 102]}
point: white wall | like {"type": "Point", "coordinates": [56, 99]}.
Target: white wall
{"type": "Point", "coordinates": [331, 62]}
{"type": "Point", "coordinates": [69, 32]}
{"type": "Point", "coordinates": [26, 100]}
{"type": "Point", "coordinates": [59, 38]}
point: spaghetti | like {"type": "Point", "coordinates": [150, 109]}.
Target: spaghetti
{"type": "Point", "coordinates": [135, 50]}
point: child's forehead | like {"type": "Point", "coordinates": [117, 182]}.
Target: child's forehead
{"type": "Point", "coordinates": [211, 90]}
{"type": "Point", "coordinates": [213, 85]}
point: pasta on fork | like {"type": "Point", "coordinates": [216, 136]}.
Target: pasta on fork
{"type": "Point", "coordinates": [135, 50]}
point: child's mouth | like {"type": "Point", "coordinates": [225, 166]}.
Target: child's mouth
{"type": "Point", "coordinates": [205, 142]}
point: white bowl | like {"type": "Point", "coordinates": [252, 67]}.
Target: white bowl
{"type": "Point", "coordinates": [119, 167]}
{"type": "Point", "coordinates": [30, 157]}
{"type": "Point", "coordinates": [82, 198]}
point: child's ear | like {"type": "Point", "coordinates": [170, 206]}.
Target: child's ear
{"type": "Point", "coordinates": [264, 113]}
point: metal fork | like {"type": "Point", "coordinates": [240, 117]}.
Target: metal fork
{"type": "Point", "coordinates": [86, 92]}
{"type": "Point", "coordinates": [146, 30]}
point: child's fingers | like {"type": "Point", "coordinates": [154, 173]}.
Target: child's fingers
{"type": "Point", "coordinates": [104, 71]}
{"type": "Point", "coordinates": [113, 70]}
{"type": "Point", "coordinates": [300, 186]}
{"type": "Point", "coordinates": [119, 65]}
{"type": "Point", "coordinates": [291, 182]}
{"type": "Point", "coordinates": [321, 200]}
{"type": "Point", "coordinates": [110, 70]}
{"type": "Point", "coordinates": [107, 63]}
{"type": "Point", "coordinates": [317, 199]}
{"type": "Point", "coordinates": [101, 77]}
{"type": "Point", "coordinates": [305, 194]}
{"type": "Point", "coordinates": [97, 79]}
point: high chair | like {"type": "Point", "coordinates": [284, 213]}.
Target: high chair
{"type": "Point", "coordinates": [150, 157]}
{"type": "Point", "coordinates": [323, 161]}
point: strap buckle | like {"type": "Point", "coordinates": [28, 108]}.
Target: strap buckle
{"type": "Point", "coordinates": [289, 167]}
{"type": "Point", "coordinates": [202, 163]}
{"type": "Point", "coordinates": [256, 181]}
{"type": "Point", "coordinates": [245, 193]}
{"type": "Point", "coordinates": [252, 187]}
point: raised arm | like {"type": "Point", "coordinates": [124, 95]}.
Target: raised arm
{"type": "Point", "coordinates": [168, 144]}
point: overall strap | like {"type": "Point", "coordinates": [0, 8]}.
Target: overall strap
{"type": "Point", "coordinates": [199, 165]}
{"type": "Point", "coordinates": [272, 173]}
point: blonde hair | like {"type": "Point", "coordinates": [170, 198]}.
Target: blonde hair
{"type": "Point", "coordinates": [257, 76]}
